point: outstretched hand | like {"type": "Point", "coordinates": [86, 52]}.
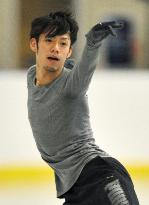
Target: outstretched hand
{"type": "Point", "coordinates": [108, 26]}
{"type": "Point", "coordinates": [101, 30]}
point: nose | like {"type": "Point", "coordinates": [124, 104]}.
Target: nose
{"type": "Point", "coordinates": [55, 48]}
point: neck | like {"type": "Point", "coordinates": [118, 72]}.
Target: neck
{"type": "Point", "coordinates": [44, 76]}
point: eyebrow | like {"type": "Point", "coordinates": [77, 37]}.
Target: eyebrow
{"type": "Point", "coordinates": [64, 38]}
{"type": "Point", "coordinates": [61, 38]}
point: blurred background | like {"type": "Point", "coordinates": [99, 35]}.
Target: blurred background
{"type": "Point", "coordinates": [118, 95]}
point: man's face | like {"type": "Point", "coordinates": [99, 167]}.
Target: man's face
{"type": "Point", "coordinates": [51, 53]}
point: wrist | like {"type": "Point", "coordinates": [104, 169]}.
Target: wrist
{"type": "Point", "coordinates": [92, 42]}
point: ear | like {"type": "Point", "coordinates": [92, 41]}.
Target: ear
{"type": "Point", "coordinates": [33, 45]}
{"type": "Point", "coordinates": [70, 52]}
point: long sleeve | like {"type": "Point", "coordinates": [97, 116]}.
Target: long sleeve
{"type": "Point", "coordinates": [80, 76]}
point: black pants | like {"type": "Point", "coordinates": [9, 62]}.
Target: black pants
{"type": "Point", "coordinates": [102, 182]}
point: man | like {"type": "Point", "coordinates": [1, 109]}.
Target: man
{"type": "Point", "coordinates": [59, 116]}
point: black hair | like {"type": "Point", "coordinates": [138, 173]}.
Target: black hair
{"type": "Point", "coordinates": [56, 23]}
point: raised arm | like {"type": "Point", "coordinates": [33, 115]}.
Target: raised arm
{"type": "Point", "coordinates": [80, 76]}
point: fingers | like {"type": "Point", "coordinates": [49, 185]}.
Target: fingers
{"type": "Point", "coordinates": [69, 63]}
{"type": "Point", "coordinates": [113, 24]}
{"type": "Point", "coordinates": [112, 32]}
{"type": "Point", "coordinates": [118, 25]}
{"type": "Point", "coordinates": [102, 30]}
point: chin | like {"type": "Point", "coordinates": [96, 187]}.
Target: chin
{"type": "Point", "coordinates": [51, 69]}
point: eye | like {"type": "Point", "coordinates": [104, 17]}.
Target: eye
{"type": "Point", "coordinates": [48, 39]}
{"type": "Point", "coordinates": [63, 43]}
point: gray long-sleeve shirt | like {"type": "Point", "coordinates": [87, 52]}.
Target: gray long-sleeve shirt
{"type": "Point", "coordinates": [59, 118]}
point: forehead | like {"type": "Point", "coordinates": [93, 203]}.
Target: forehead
{"type": "Point", "coordinates": [65, 36]}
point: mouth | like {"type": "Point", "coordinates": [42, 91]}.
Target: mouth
{"type": "Point", "coordinates": [53, 58]}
